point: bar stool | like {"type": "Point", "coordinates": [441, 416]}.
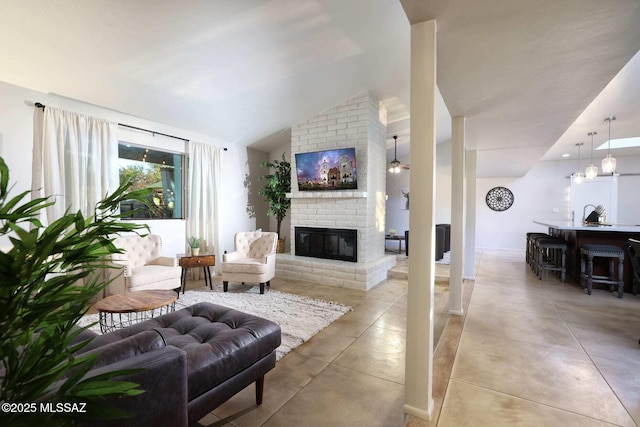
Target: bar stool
{"type": "Point", "coordinates": [601, 251]}
{"type": "Point", "coordinates": [551, 255]}
{"type": "Point", "coordinates": [531, 247]}
{"type": "Point", "coordinates": [633, 249]}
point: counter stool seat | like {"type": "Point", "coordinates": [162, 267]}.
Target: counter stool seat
{"type": "Point", "coordinates": [550, 255]}
{"type": "Point", "coordinates": [586, 267]}
{"type": "Point", "coordinates": [530, 247]}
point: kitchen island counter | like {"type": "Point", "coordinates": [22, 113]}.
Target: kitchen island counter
{"type": "Point", "coordinates": [579, 235]}
{"type": "Point", "coordinates": [568, 225]}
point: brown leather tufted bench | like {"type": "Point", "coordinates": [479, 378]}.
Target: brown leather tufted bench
{"type": "Point", "coordinates": [226, 350]}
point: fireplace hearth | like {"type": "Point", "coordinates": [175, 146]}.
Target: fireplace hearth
{"type": "Point", "coordinates": [328, 243]}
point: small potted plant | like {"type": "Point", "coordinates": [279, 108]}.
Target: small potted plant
{"type": "Point", "coordinates": [194, 244]}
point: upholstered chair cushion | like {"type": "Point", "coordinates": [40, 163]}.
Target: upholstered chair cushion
{"type": "Point", "coordinates": [245, 265]}
{"type": "Point", "coordinates": [143, 266]}
{"type": "Point", "coordinates": [149, 274]}
{"type": "Point", "coordinates": [138, 250]}
{"type": "Point", "coordinates": [262, 246]}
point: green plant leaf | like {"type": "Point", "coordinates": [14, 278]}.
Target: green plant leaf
{"type": "Point", "coordinates": [47, 278]}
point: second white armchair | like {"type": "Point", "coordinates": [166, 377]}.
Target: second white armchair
{"type": "Point", "coordinates": [253, 260]}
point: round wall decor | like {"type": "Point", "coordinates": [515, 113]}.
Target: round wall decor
{"type": "Point", "coordinates": [499, 198]}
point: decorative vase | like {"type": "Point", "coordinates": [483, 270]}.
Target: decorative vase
{"type": "Point", "coordinates": [195, 251]}
{"type": "Point", "coordinates": [280, 246]}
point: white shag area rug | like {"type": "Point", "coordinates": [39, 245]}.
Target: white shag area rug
{"type": "Point", "coordinates": [299, 317]}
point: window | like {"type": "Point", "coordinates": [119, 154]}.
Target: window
{"type": "Point", "coordinates": [160, 170]}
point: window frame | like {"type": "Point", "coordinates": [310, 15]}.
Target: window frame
{"type": "Point", "coordinates": [183, 176]}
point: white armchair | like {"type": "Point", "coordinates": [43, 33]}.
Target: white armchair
{"type": "Point", "coordinates": [142, 267]}
{"type": "Point", "coordinates": [253, 261]}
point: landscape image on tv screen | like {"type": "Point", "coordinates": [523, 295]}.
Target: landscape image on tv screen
{"type": "Point", "coordinates": [327, 170]}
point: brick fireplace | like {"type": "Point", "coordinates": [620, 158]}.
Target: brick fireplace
{"type": "Point", "coordinates": [360, 123]}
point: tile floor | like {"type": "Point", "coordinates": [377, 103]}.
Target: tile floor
{"type": "Point", "coordinates": [350, 374]}
{"type": "Point", "coordinates": [526, 353]}
{"type": "Point", "coordinates": [539, 353]}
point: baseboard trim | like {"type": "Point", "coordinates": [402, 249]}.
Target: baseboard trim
{"type": "Point", "coordinates": [420, 413]}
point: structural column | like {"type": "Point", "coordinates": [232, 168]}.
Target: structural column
{"type": "Point", "coordinates": [418, 399]}
{"type": "Point", "coordinates": [458, 204]}
{"type": "Point", "coordinates": [470, 227]}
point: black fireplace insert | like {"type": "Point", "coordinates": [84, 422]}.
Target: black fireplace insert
{"type": "Point", "coordinates": [328, 243]}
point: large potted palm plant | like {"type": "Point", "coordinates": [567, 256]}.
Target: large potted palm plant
{"type": "Point", "coordinates": [48, 275]}
{"type": "Point", "coordinates": [278, 184]}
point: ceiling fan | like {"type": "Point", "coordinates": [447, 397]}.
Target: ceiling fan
{"type": "Point", "coordinates": [395, 166]}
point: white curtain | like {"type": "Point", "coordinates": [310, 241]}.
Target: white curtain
{"type": "Point", "coordinates": [203, 200]}
{"type": "Point", "coordinates": [75, 157]}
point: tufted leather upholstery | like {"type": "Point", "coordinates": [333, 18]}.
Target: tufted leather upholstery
{"type": "Point", "coordinates": [226, 350]}
{"type": "Point", "coordinates": [142, 266]}
{"type": "Point", "coordinates": [253, 261]}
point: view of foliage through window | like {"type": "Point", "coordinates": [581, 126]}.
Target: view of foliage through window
{"type": "Point", "coordinates": [161, 171]}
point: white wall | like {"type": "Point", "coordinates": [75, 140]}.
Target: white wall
{"type": "Point", "coordinates": [543, 194]}
{"type": "Point", "coordinates": [443, 183]}
{"type": "Point", "coordinates": [397, 215]}
{"type": "Point", "coordinates": [16, 143]}
{"type": "Point", "coordinates": [544, 189]}
{"type": "Point", "coordinates": [629, 190]}
{"type": "Point", "coordinates": [256, 206]}
{"type": "Point", "coordinates": [536, 195]}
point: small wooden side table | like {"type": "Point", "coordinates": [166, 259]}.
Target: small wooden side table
{"type": "Point", "coordinates": [122, 310]}
{"type": "Point", "coordinates": [400, 239]}
{"type": "Point", "coordinates": [187, 261]}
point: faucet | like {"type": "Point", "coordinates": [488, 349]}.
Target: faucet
{"type": "Point", "coordinates": [584, 212]}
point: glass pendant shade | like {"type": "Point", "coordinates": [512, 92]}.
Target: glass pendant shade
{"type": "Point", "coordinates": [609, 164]}
{"type": "Point", "coordinates": [591, 172]}
{"type": "Point", "coordinates": [578, 177]}
{"type": "Point", "coordinates": [394, 166]}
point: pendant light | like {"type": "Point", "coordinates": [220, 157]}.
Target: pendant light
{"type": "Point", "coordinates": [394, 166]}
{"type": "Point", "coordinates": [591, 172]}
{"type": "Point", "coordinates": [578, 176]}
{"type": "Point", "coordinates": [609, 163]}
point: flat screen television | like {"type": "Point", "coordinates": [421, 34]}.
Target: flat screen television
{"type": "Point", "coordinates": [327, 170]}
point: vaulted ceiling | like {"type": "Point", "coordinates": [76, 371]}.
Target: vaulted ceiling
{"type": "Point", "coordinates": [239, 70]}
{"type": "Point", "coordinates": [522, 72]}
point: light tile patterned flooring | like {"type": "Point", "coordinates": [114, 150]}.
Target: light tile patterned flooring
{"type": "Point", "coordinates": [541, 353]}
{"type": "Point", "coordinates": [526, 353]}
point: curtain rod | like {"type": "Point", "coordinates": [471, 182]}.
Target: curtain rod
{"type": "Point", "coordinates": [152, 132]}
